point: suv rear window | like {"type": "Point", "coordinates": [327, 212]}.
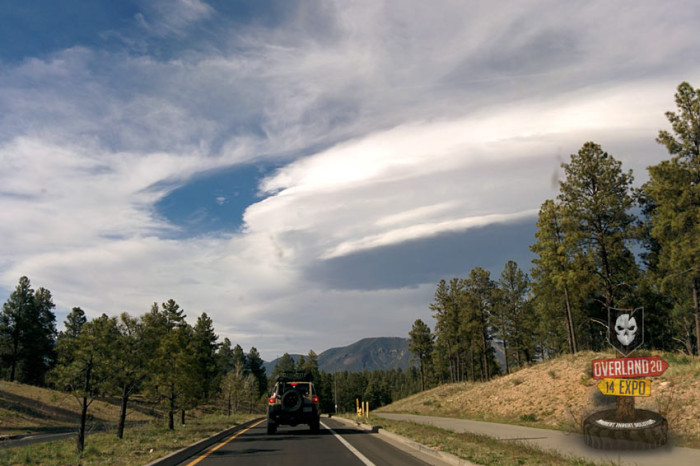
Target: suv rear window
{"type": "Point", "coordinates": [301, 387]}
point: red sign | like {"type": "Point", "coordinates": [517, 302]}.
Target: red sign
{"type": "Point", "coordinates": [628, 367]}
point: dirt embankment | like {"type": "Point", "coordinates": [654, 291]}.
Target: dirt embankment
{"type": "Point", "coordinates": [560, 393]}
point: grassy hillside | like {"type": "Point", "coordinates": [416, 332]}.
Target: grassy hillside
{"type": "Point", "coordinates": [24, 408]}
{"type": "Point", "coordinates": [560, 393]}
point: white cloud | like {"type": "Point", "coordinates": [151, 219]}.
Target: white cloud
{"type": "Point", "coordinates": [447, 175]}
{"type": "Point", "coordinates": [173, 17]}
{"type": "Point", "coordinates": [390, 125]}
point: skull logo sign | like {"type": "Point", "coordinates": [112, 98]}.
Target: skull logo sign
{"type": "Point", "coordinates": [625, 328]}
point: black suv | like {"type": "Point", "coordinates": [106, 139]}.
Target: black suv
{"type": "Point", "coordinates": [293, 401]}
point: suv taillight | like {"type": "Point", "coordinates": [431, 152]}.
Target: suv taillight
{"type": "Point", "coordinates": [315, 399]}
{"type": "Point", "coordinates": [272, 400]}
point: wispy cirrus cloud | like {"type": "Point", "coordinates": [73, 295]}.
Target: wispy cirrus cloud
{"type": "Point", "coordinates": [383, 134]}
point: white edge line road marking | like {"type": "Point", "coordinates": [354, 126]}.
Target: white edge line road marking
{"type": "Point", "coordinates": [352, 449]}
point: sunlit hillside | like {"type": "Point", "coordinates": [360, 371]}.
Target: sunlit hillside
{"type": "Point", "coordinates": [560, 393]}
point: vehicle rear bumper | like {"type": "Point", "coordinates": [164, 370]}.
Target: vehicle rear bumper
{"type": "Point", "coordinates": [304, 415]}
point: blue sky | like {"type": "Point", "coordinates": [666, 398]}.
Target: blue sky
{"type": "Point", "coordinates": [306, 172]}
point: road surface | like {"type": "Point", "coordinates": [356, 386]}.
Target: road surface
{"type": "Point", "coordinates": [336, 444]}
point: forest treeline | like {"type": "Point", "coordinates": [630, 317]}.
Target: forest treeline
{"type": "Point", "coordinates": [601, 243]}
{"type": "Point", "coordinates": [160, 357]}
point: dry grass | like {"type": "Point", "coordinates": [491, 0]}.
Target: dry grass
{"type": "Point", "coordinates": [560, 393]}
{"type": "Point", "coordinates": [24, 408]}
{"type": "Point", "coordinates": [478, 449]}
{"type": "Point", "coordinates": [140, 445]}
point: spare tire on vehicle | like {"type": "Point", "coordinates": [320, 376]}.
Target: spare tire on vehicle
{"type": "Point", "coordinates": [292, 400]}
{"type": "Point", "coordinates": [647, 430]}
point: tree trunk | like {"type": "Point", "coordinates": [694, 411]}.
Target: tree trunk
{"type": "Point", "coordinates": [696, 305]}
{"type": "Point", "coordinates": [460, 377]}
{"type": "Point", "coordinates": [505, 354]}
{"type": "Point", "coordinates": [229, 403]}
{"type": "Point", "coordinates": [122, 412]}
{"type": "Point", "coordinates": [84, 408]}
{"type": "Point", "coordinates": [15, 351]}
{"type": "Point", "coordinates": [81, 428]}
{"type": "Point", "coordinates": [571, 334]}
{"type": "Point", "coordinates": [484, 350]}
{"type": "Point", "coordinates": [422, 376]}
{"type": "Point", "coordinates": [171, 410]}
{"type": "Point", "coordinates": [182, 417]}
{"type": "Point", "coordinates": [471, 358]}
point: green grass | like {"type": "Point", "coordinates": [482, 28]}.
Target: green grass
{"type": "Point", "coordinates": [479, 449]}
{"type": "Point", "coordinates": [140, 445]}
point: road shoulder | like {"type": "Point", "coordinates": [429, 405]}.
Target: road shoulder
{"type": "Point", "coordinates": [563, 443]}
{"type": "Point", "coordinates": [191, 450]}
{"type": "Point", "coordinates": [426, 454]}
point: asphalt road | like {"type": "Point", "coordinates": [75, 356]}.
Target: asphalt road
{"type": "Point", "coordinates": [336, 445]}
{"type": "Point", "coordinates": [36, 438]}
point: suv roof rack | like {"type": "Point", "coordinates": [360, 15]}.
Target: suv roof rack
{"type": "Point", "coordinates": [295, 376]}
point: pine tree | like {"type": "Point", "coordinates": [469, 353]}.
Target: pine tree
{"type": "Point", "coordinates": [254, 366]}
{"type": "Point", "coordinates": [310, 366]}
{"type": "Point", "coordinates": [479, 290]}
{"type": "Point", "coordinates": [557, 277]}
{"type": "Point", "coordinates": [285, 365]}
{"type": "Point", "coordinates": [85, 365]}
{"type": "Point", "coordinates": [514, 324]}
{"type": "Point", "coordinates": [224, 357]}
{"type": "Point", "coordinates": [28, 333]}
{"type": "Point", "coordinates": [421, 344]}
{"type": "Point", "coordinates": [13, 323]}
{"type": "Point", "coordinates": [130, 363]}
{"type": "Point", "coordinates": [597, 201]}
{"type": "Point", "coordinates": [167, 337]}
{"type": "Point", "coordinates": [674, 193]}
{"type": "Point", "coordinates": [74, 323]}
{"type": "Point", "coordinates": [203, 350]}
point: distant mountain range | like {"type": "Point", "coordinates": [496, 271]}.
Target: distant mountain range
{"type": "Point", "coordinates": [370, 354]}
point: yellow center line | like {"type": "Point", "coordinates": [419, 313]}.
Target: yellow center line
{"type": "Point", "coordinates": [209, 452]}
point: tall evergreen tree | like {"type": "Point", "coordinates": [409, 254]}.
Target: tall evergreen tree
{"type": "Point", "coordinates": [167, 337]}
{"type": "Point", "coordinates": [597, 201]}
{"type": "Point", "coordinates": [40, 339]}
{"type": "Point", "coordinates": [28, 333]}
{"type": "Point", "coordinates": [13, 322]}
{"type": "Point", "coordinates": [310, 366]}
{"type": "Point", "coordinates": [254, 366]}
{"type": "Point", "coordinates": [479, 297]}
{"type": "Point", "coordinates": [85, 365]}
{"type": "Point", "coordinates": [445, 330]}
{"type": "Point", "coordinates": [556, 275]}
{"type": "Point", "coordinates": [421, 344]}
{"type": "Point", "coordinates": [74, 323]}
{"type": "Point", "coordinates": [239, 358]}
{"type": "Point", "coordinates": [512, 317]}
{"type": "Point", "coordinates": [673, 191]}
{"type": "Point", "coordinates": [225, 357]}
{"type": "Point", "coordinates": [130, 366]}
{"type": "Point", "coordinates": [285, 365]}
{"type": "Point", "coordinates": [204, 347]}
